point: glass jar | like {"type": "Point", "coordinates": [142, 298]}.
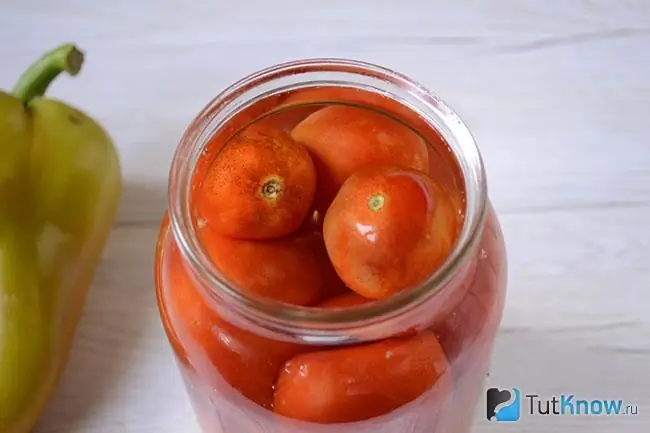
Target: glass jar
{"type": "Point", "coordinates": [415, 361]}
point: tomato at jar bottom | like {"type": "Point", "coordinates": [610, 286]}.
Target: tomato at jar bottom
{"type": "Point", "coordinates": [361, 382]}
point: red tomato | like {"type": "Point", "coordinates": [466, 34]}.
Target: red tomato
{"type": "Point", "coordinates": [388, 229]}
{"type": "Point", "coordinates": [286, 269]}
{"type": "Point", "coordinates": [343, 139]}
{"type": "Point", "coordinates": [361, 382]}
{"type": "Point", "coordinates": [260, 186]}
{"type": "Point", "coordinates": [349, 299]}
{"type": "Point", "coordinates": [215, 348]}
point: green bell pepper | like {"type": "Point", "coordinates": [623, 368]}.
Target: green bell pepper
{"type": "Point", "coordinates": [60, 185]}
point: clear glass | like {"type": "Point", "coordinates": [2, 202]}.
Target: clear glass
{"type": "Point", "coordinates": [412, 362]}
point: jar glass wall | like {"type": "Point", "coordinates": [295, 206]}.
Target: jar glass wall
{"type": "Point", "coordinates": [290, 330]}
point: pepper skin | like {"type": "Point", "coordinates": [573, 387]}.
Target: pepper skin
{"type": "Point", "coordinates": [60, 185]}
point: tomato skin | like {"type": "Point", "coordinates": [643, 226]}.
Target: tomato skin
{"type": "Point", "coordinates": [287, 269]}
{"type": "Point", "coordinates": [260, 186]}
{"type": "Point", "coordinates": [344, 139]}
{"type": "Point", "coordinates": [388, 229]}
{"type": "Point", "coordinates": [361, 382]}
{"type": "Point", "coordinates": [349, 299]}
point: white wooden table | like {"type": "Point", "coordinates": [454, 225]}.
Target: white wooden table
{"type": "Point", "coordinates": [557, 93]}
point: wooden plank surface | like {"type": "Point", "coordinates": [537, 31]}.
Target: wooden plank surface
{"type": "Point", "coordinates": [556, 92]}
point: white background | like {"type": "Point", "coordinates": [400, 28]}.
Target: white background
{"type": "Point", "coordinates": [557, 93]}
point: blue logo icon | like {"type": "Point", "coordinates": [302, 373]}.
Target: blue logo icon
{"type": "Point", "coordinates": [503, 405]}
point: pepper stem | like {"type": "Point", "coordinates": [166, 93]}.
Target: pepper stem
{"type": "Point", "coordinates": [38, 77]}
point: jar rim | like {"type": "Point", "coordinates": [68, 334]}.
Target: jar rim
{"type": "Point", "coordinates": [310, 324]}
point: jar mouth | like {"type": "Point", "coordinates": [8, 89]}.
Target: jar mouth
{"type": "Point", "coordinates": [309, 323]}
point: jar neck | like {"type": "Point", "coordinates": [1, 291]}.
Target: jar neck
{"type": "Point", "coordinates": [380, 319]}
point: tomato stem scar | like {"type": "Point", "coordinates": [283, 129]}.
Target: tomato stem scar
{"type": "Point", "coordinates": [272, 188]}
{"type": "Point", "coordinates": [376, 202]}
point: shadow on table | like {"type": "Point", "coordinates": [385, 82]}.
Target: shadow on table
{"type": "Point", "coordinates": [120, 321]}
